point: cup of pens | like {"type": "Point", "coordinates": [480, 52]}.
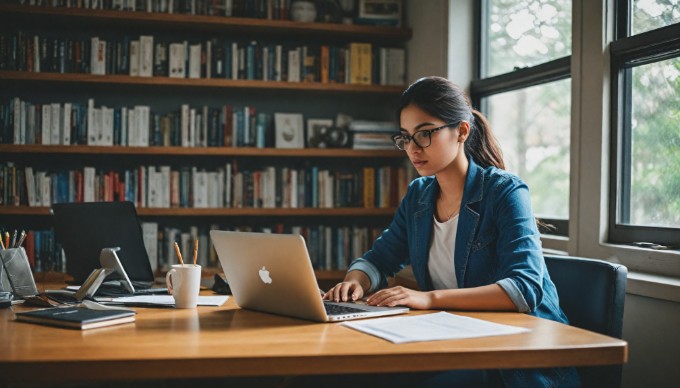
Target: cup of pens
{"type": "Point", "coordinates": [184, 281]}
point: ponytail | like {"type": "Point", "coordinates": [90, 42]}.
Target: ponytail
{"type": "Point", "coordinates": [481, 144]}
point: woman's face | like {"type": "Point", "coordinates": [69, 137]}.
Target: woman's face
{"type": "Point", "coordinates": [444, 145]}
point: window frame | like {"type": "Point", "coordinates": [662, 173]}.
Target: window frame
{"type": "Point", "coordinates": [627, 52]}
{"type": "Point", "coordinates": [480, 88]}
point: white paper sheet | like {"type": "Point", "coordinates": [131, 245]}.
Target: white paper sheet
{"type": "Point", "coordinates": [431, 327]}
{"type": "Point", "coordinates": [162, 300]}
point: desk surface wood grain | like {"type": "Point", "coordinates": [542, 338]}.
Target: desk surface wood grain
{"type": "Point", "coordinates": [228, 341]}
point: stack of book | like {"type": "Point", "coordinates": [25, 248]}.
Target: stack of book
{"type": "Point", "coordinates": [367, 135]}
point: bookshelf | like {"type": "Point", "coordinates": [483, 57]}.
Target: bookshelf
{"type": "Point", "coordinates": [164, 94]}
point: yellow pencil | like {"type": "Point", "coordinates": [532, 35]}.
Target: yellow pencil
{"type": "Point", "coordinates": [2, 244]}
{"type": "Point", "coordinates": [195, 250]}
{"type": "Point", "coordinates": [179, 254]}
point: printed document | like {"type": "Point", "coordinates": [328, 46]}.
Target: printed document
{"type": "Point", "coordinates": [431, 327]}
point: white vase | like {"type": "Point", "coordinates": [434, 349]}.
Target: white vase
{"type": "Point", "coordinates": [303, 11]}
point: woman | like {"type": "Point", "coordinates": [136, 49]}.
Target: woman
{"type": "Point", "coordinates": [466, 227]}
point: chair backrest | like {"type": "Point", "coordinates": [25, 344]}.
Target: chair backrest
{"type": "Point", "coordinates": [592, 294]}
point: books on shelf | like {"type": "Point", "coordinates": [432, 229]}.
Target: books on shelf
{"type": "Point", "coordinates": [272, 10]}
{"type": "Point", "coordinates": [372, 134]}
{"type": "Point", "coordinates": [23, 122]}
{"type": "Point", "coordinates": [151, 56]}
{"type": "Point", "coordinates": [226, 186]}
{"type": "Point", "coordinates": [360, 69]}
{"type": "Point", "coordinates": [77, 317]}
{"type": "Point", "coordinates": [392, 66]}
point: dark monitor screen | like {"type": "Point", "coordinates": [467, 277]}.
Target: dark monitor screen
{"type": "Point", "coordinates": [84, 229]}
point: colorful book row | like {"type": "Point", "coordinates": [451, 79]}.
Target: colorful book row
{"type": "Point", "coordinates": [149, 56]}
{"type": "Point", "coordinates": [72, 123]}
{"type": "Point", "coordinates": [229, 186]}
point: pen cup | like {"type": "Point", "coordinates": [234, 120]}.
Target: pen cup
{"type": "Point", "coordinates": [15, 273]}
{"type": "Point", "coordinates": [184, 283]}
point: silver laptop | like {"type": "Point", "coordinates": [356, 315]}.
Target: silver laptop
{"type": "Point", "coordinates": [273, 273]}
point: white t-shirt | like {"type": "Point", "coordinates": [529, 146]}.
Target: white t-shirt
{"type": "Point", "coordinates": [442, 249]}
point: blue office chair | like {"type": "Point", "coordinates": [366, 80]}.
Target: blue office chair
{"type": "Point", "coordinates": [592, 294]}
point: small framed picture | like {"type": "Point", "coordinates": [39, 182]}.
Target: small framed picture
{"type": "Point", "coordinates": [317, 132]}
{"type": "Point", "coordinates": [290, 131]}
{"type": "Point", "coordinates": [386, 12]}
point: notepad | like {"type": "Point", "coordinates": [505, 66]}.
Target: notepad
{"type": "Point", "coordinates": [431, 327]}
{"type": "Point", "coordinates": [81, 318]}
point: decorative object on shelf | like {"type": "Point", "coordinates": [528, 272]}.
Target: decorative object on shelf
{"type": "Point", "coordinates": [329, 11]}
{"type": "Point", "coordinates": [338, 137]}
{"type": "Point", "coordinates": [289, 130]}
{"type": "Point", "coordinates": [317, 132]}
{"type": "Point", "coordinates": [380, 12]}
{"type": "Point", "coordinates": [303, 11]}
{"type": "Point", "coordinates": [348, 11]}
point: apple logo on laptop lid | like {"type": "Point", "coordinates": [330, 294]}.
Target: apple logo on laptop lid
{"type": "Point", "coordinates": [264, 275]}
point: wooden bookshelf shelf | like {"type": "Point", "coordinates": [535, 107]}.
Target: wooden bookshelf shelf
{"type": "Point", "coordinates": [78, 78]}
{"type": "Point", "coordinates": [224, 212]}
{"type": "Point", "coordinates": [215, 23]}
{"type": "Point", "coordinates": [8, 149]}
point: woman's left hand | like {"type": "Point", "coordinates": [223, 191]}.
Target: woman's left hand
{"type": "Point", "coordinates": [401, 296]}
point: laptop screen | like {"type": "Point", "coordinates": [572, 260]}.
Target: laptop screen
{"type": "Point", "coordinates": [84, 229]}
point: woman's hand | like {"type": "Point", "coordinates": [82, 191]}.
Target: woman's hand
{"type": "Point", "coordinates": [345, 291]}
{"type": "Point", "coordinates": [401, 296]}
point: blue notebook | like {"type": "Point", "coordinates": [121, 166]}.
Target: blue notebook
{"type": "Point", "coordinates": [77, 317]}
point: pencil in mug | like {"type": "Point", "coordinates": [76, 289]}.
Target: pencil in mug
{"type": "Point", "coordinates": [179, 254]}
{"type": "Point", "coordinates": [22, 237]}
{"type": "Point", "coordinates": [195, 250]}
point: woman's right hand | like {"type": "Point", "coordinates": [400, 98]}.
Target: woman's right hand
{"type": "Point", "coordinates": [345, 291]}
{"type": "Point", "coordinates": [350, 289]}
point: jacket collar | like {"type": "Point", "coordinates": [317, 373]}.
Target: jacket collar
{"type": "Point", "coordinates": [468, 219]}
{"type": "Point", "coordinates": [467, 225]}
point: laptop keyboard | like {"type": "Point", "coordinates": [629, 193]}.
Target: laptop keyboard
{"type": "Point", "coordinates": [119, 291]}
{"type": "Point", "coordinates": [334, 309]}
{"type": "Point", "coordinates": [150, 291]}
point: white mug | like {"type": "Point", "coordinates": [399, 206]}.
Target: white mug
{"type": "Point", "coordinates": [184, 283]}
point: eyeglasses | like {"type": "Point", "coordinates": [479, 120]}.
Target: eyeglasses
{"type": "Point", "coordinates": [423, 138]}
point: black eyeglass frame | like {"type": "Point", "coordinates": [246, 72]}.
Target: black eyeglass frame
{"type": "Point", "coordinates": [408, 138]}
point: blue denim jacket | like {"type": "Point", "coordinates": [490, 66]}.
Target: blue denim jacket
{"type": "Point", "coordinates": [497, 242]}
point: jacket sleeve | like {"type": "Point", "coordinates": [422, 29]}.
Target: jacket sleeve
{"type": "Point", "coordinates": [521, 267]}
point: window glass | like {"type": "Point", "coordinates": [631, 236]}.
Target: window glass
{"type": "Point", "coordinates": [652, 14]}
{"type": "Point", "coordinates": [533, 128]}
{"type": "Point", "coordinates": [655, 145]}
{"type": "Point", "coordinates": [523, 33]}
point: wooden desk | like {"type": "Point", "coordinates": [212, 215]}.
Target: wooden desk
{"type": "Point", "coordinates": [228, 341]}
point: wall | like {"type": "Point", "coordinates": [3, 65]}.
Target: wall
{"type": "Point", "coordinates": [652, 329]}
{"type": "Point", "coordinates": [428, 49]}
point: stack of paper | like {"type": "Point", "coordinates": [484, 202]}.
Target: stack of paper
{"type": "Point", "coordinates": [431, 327]}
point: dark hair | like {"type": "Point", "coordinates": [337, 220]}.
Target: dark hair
{"type": "Point", "coordinates": [445, 100]}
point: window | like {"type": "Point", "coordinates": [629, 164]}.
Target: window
{"type": "Point", "coordinates": [645, 166]}
{"type": "Point", "coordinates": [649, 15]}
{"type": "Point", "coordinates": [523, 86]}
